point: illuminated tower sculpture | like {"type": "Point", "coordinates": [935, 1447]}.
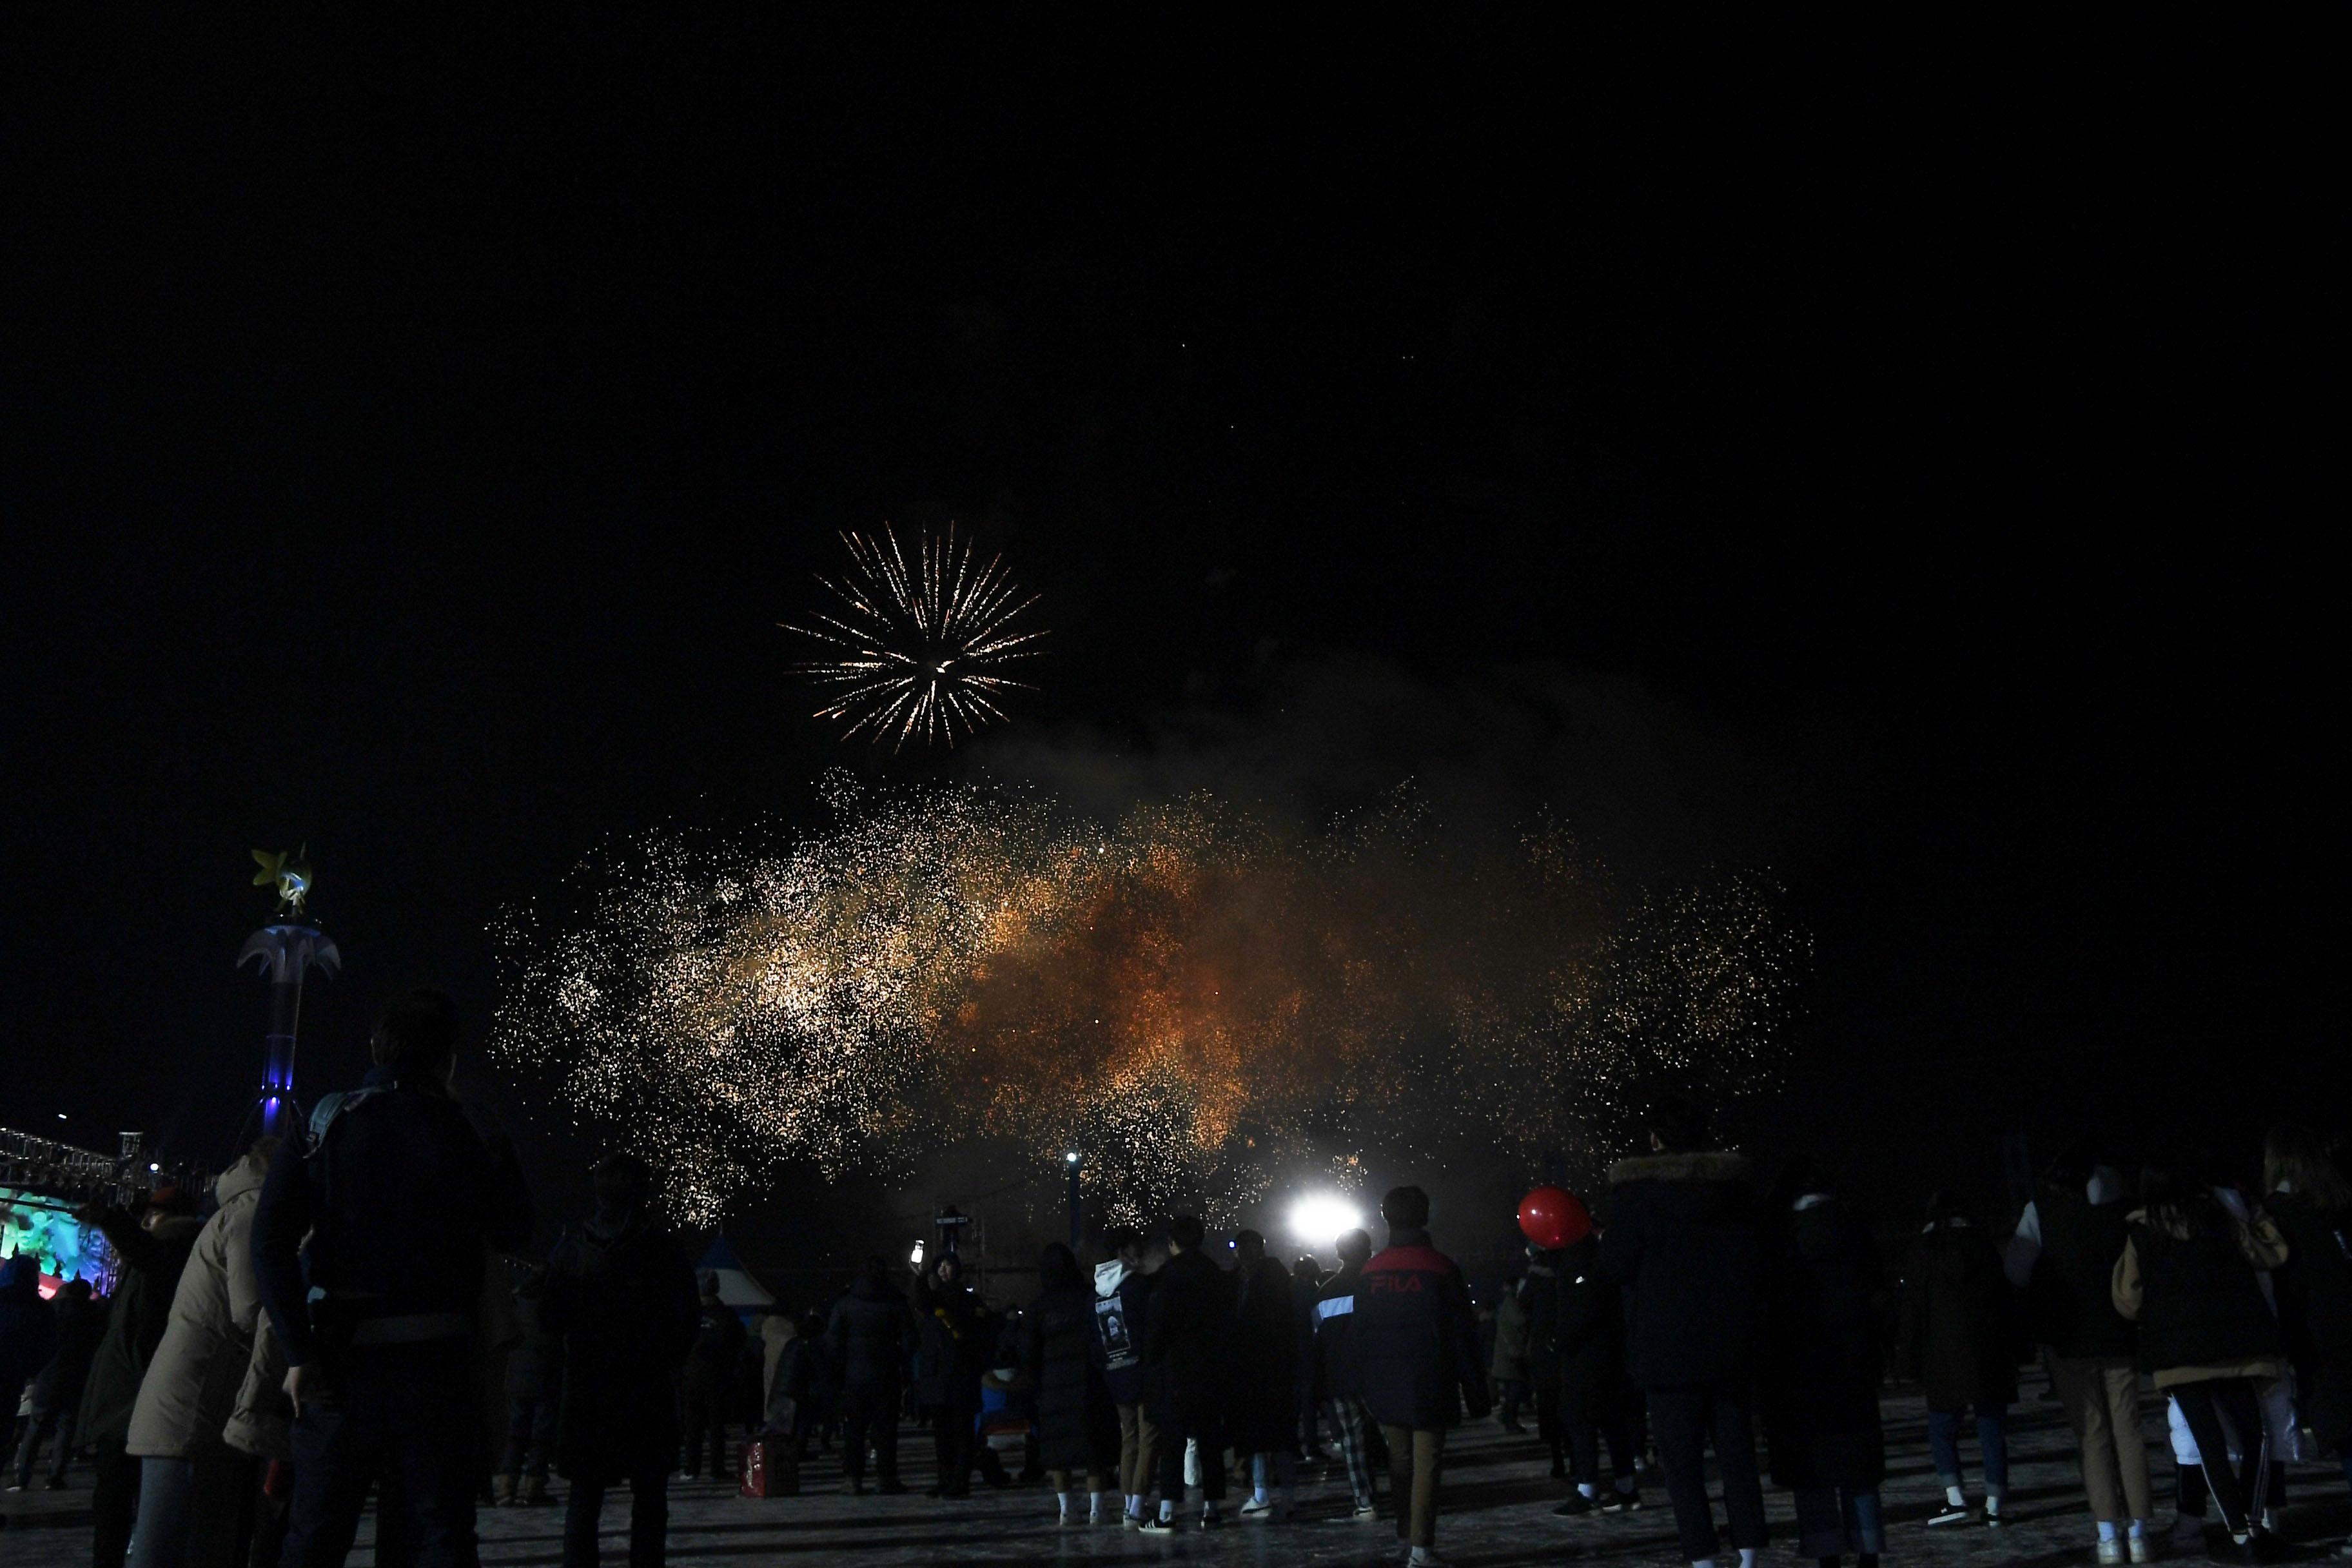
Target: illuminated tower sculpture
{"type": "Point", "coordinates": [287, 949]}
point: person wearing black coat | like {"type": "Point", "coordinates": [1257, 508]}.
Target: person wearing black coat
{"type": "Point", "coordinates": [1415, 1345]}
{"type": "Point", "coordinates": [2061, 1256]}
{"type": "Point", "coordinates": [952, 1350]}
{"type": "Point", "coordinates": [1537, 1291]}
{"type": "Point", "coordinates": [57, 1387]}
{"type": "Point", "coordinates": [153, 1250]}
{"type": "Point", "coordinates": [1583, 1337]}
{"type": "Point", "coordinates": [29, 1336]}
{"type": "Point", "coordinates": [1684, 1241]}
{"type": "Point", "coordinates": [2311, 1204]}
{"type": "Point", "coordinates": [621, 1296]}
{"type": "Point", "coordinates": [707, 1387]}
{"type": "Point", "coordinates": [1339, 1383]}
{"type": "Point", "coordinates": [534, 1399]}
{"type": "Point", "coordinates": [1187, 1371]}
{"type": "Point", "coordinates": [1958, 1339]}
{"type": "Point", "coordinates": [1122, 1315]}
{"type": "Point", "coordinates": [869, 1337]}
{"type": "Point", "coordinates": [1825, 1308]}
{"type": "Point", "coordinates": [1265, 1358]}
{"type": "Point", "coordinates": [1077, 1430]}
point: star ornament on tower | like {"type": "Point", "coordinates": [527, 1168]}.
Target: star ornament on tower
{"type": "Point", "coordinates": [289, 874]}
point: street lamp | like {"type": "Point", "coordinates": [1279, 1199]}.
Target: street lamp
{"type": "Point", "coordinates": [1072, 1162]}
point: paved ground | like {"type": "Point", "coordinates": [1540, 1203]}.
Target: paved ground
{"type": "Point", "coordinates": [1498, 1504]}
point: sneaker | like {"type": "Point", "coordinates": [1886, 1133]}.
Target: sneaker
{"type": "Point", "coordinates": [2188, 1529]}
{"type": "Point", "coordinates": [2141, 1548]}
{"type": "Point", "coordinates": [1623, 1502]}
{"type": "Point", "coordinates": [1577, 1506]}
{"type": "Point", "coordinates": [1156, 1525]}
{"type": "Point", "coordinates": [1950, 1513]}
{"type": "Point", "coordinates": [55, 1484]}
{"type": "Point", "coordinates": [1132, 1520]}
{"type": "Point", "coordinates": [1992, 1519]}
{"type": "Point", "coordinates": [2111, 1551]}
{"type": "Point", "coordinates": [1257, 1508]}
{"type": "Point", "coordinates": [15, 1486]}
{"type": "Point", "coordinates": [1365, 1514]}
{"type": "Point", "coordinates": [1212, 1520]}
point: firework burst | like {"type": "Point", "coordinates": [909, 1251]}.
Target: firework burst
{"type": "Point", "coordinates": [1205, 1001]}
{"type": "Point", "coordinates": [915, 646]}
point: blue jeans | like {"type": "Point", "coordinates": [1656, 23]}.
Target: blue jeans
{"type": "Point", "coordinates": [410, 1414]}
{"type": "Point", "coordinates": [1833, 1520]}
{"type": "Point", "coordinates": [1992, 1438]}
{"type": "Point", "coordinates": [160, 1540]}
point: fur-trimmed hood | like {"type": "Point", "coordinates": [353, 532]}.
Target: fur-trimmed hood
{"type": "Point", "coordinates": [1699, 1165]}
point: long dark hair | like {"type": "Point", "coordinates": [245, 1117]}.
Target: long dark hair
{"type": "Point", "coordinates": [2294, 1158]}
{"type": "Point", "coordinates": [2178, 1197]}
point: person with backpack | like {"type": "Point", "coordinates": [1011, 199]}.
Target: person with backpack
{"type": "Point", "coordinates": [1122, 1315]}
{"type": "Point", "coordinates": [1416, 1348]}
{"type": "Point", "coordinates": [2062, 1256]}
{"type": "Point", "coordinates": [369, 1249]}
{"type": "Point", "coordinates": [621, 1298]}
{"type": "Point", "coordinates": [1685, 1243]}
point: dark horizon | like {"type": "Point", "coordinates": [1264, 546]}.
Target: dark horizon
{"type": "Point", "coordinates": [1892, 466]}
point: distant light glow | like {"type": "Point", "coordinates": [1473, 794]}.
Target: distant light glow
{"type": "Point", "coordinates": [1321, 1220]}
{"type": "Point", "coordinates": [151, 1165]}
{"type": "Point", "coordinates": [915, 1256]}
{"type": "Point", "coordinates": [1072, 1157]}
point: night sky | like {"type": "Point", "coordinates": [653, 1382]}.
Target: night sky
{"type": "Point", "coordinates": [1894, 461]}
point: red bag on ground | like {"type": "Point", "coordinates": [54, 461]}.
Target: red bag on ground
{"type": "Point", "coordinates": [771, 1468]}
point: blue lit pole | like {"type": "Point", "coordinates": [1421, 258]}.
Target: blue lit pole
{"type": "Point", "coordinates": [285, 951]}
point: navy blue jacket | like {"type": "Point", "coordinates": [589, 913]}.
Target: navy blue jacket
{"type": "Point", "coordinates": [402, 1204]}
{"type": "Point", "coordinates": [870, 1336]}
{"type": "Point", "coordinates": [1336, 1375]}
{"type": "Point", "coordinates": [1415, 1341]}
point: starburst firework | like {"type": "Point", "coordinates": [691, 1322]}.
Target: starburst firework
{"type": "Point", "coordinates": [916, 648]}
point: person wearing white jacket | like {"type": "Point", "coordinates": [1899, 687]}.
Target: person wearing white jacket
{"type": "Point", "coordinates": [195, 1492]}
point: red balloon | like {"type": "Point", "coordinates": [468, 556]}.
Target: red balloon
{"type": "Point", "coordinates": [1554, 1217]}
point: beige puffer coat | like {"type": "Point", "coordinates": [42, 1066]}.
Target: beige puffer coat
{"type": "Point", "coordinates": [191, 1382]}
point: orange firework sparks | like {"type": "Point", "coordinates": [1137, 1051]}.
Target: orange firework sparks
{"type": "Point", "coordinates": [1201, 1000]}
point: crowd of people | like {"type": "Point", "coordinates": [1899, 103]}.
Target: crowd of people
{"type": "Point", "coordinates": [350, 1314]}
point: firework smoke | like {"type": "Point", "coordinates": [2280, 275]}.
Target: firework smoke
{"type": "Point", "coordinates": [1203, 1002]}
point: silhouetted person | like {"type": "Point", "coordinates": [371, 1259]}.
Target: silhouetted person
{"type": "Point", "coordinates": [621, 1298]}
{"type": "Point", "coordinates": [1956, 1340]}
{"type": "Point", "coordinates": [402, 1205]}
{"type": "Point", "coordinates": [1339, 1380]}
{"type": "Point", "coordinates": [2310, 1203]}
{"type": "Point", "coordinates": [57, 1387]}
{"type": "Point", "coordinates": [1077, 1430]}
{"type": "Point", "coordinates": [870, 1335]}
{"type": "Point", "coordinates": [1595, 1403]}
{"type": "Point", "coordinates": [153, 1249]}
{"type": "Point", "coordinates": [953, 1347]}
{"type": "Point", "coordinates": [1683, 1239]}
{"type": "Point", "coordinates": [1259, 1416]}
{"type": "Point", "coordinates": [1122, 1312]}
{"type": "Point", "coordinates": [707, 1386]}
{"type": "Point", "coordinates": [1186, 1358]}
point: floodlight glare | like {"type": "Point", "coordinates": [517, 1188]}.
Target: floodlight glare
{"type": "Point", "coordinates": [1322, 1219]}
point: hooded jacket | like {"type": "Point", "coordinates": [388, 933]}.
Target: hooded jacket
{"type": "Point", "coordinates": [1958, 1333]}
{"type": "Point", "coordinates": [152, 1261]}
{"type": "Point", "coordinates": [622, 1296]}
{"type": "Point", "coordinates": [1684, 1241]}
{"type": "Point", "coordinates": [1077, 1430]}
{"type": "Point", "coordinates": [871, 1334]}
{"type": "Point", "coordinates": [1122, 1315]}
{"type": "Point", "coordinates": [1415, 1340]}
{"type": "Point", "coordinates": [192, 1383]}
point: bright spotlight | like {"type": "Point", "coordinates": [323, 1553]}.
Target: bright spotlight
{"type": "Point", "coordinates": [1321, 1220]}
{"type": "Point", "coordinates": [1072, 1157]}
